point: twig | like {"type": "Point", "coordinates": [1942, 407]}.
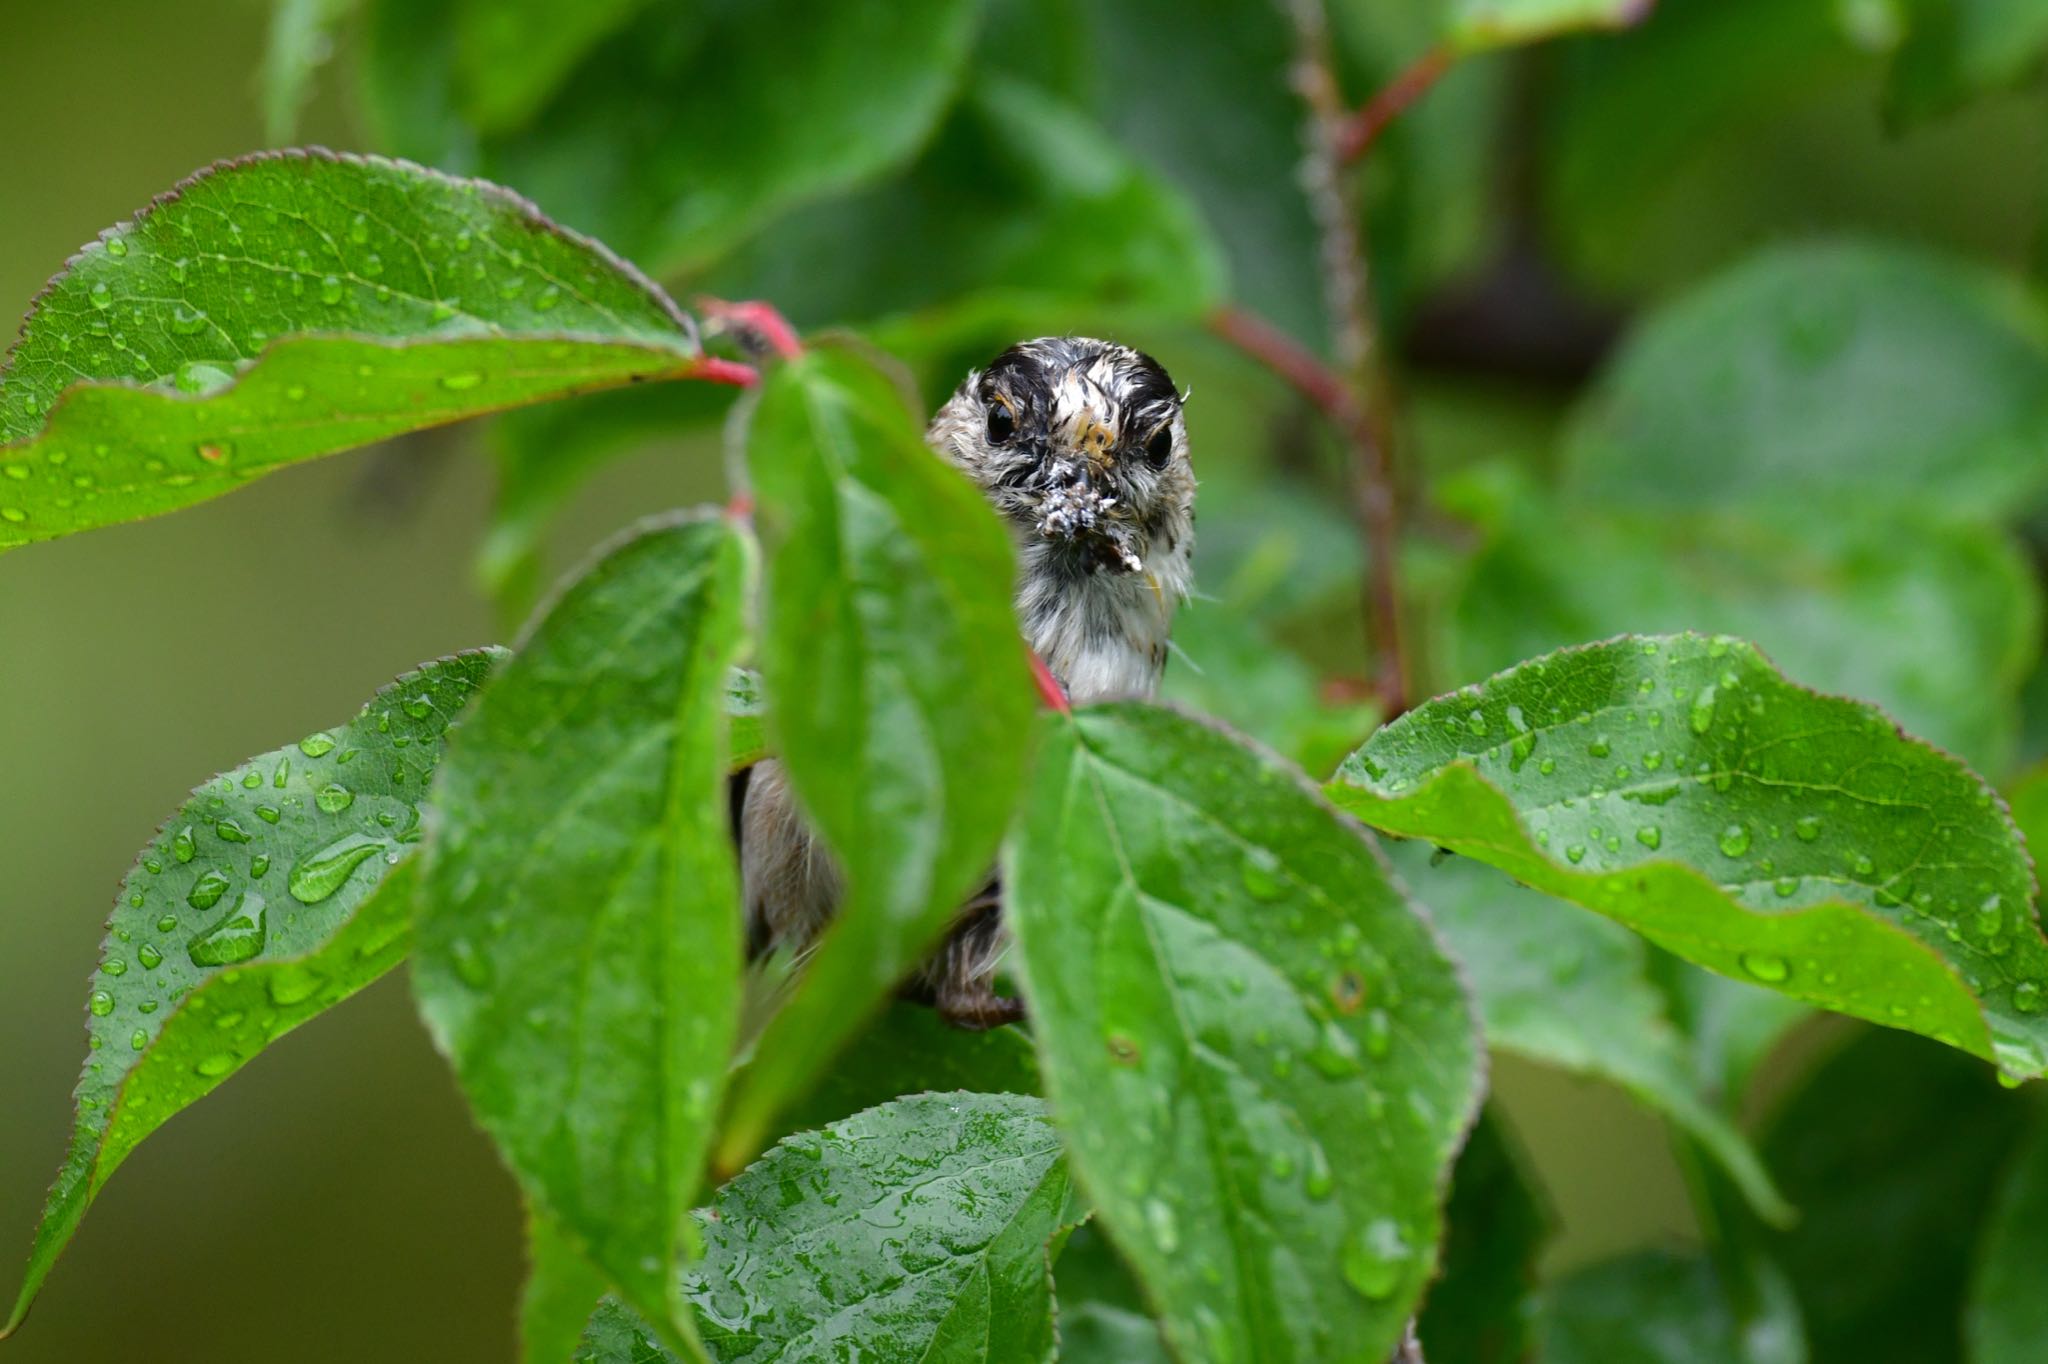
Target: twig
{"type": "Point", "coordinates": [758, 326]}
{"type": "Point", "coordinates": [1363, 128]}
{"type": "Point", "coordinates": [1369, 434]}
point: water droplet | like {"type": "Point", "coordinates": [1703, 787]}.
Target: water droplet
{"type": "Point", "coordinates": [1702, 714]}
{"type": "Point", "coordinates": [1765, 967]}
{"type": "Point", "coordinates": [317, 745]}
{"type": "Point", "coordinates": [1863, 866]}
{"type": "Point", "coordinates": [236, 938]}
{"type": "Point", "coordinates": [101, 1003]}
{"type": "Point", "coordinates": [207, 890]}
{"type": "Point", "coordinates": [330, 290]}
{"type": "Point", "coordinates": [1784, 886]}
{"type": "Point", "coordinates": [471, 967]}
{"type": "Point", "coordinates": [259, 867]}
{"type": "Point", "coordinates": [13, 515]}
{"type": "Point", "coordinates": [334, 798]}
{"type": "Point", "coordinates": [229, 831]}
{"type": "Point", "coordinates": [1600, 747]}
{"type": "Point", "coordinates": [101, 296]}
{"type": "Point", "coordinates": [294, 983]}
{"type": "Point", "coordinates": [1318, 1182]}
{"type": "Point", "coordinates": [1575, 853]}
{"type": "Point", "coordinates": [1650, 836]}
{"type": "Point", "coordinates": [150, 957]}
{"type": "Point", "coordinates": [166, 923]}
{"type": "Point", "coordinates": [2026, 997]}
{"type": "Point", "coordinates": [549, 297]}
{"type": "Point", "coordinates": [117, 246]}
{"type": "Point", "coordinates": [1261, 872]}
{"type": "Point", "coordinates": [1807, 828]}
{"type": "Point", "coordinates": [418, 707]}
{"type": "Point", "coordinates": [215, 1066]}
{"type": "Point", "coordinates": [1336, 1054]}
{"type": "Point", "coordinates": [1375, 1258]}
{"type": "Point", "coordinates": [323, 872]}
{"type": "Point", "coordinates": [1163, 1224]}
{"type": "Point", "coordinates": [114, 966]}
{"type": "Point", "coordinates": [138, 1040]}
{"type": "Point", "coordinates": [1735, 840]}
{"type": "Point", "coordinates": [1379, 1033]}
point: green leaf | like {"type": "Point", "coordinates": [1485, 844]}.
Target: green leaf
{"type": "Point", "coordinates": [2007, 1317]}
{"type": "Point", "coordinates": [1655, 1307]}
{"type": "Point", "coordinates": [1837, 374]}
{"type": "Point", "coordinates": [1475, 25]}
{"type": "Point", "coordinates": [1244, 1026]}
{"type": "Point", "coordinates": [294, 304]}
{"type": "Point", "coordinates": [897, 688]}
{"type": "Point", "coordinates": [1101, 1311]}
{"type": "Point", "coordinates": [1893, 1152]}
{"type": "Point", "coordinates": [680, 138]}
{"type": "Point", "coordinates": [579, 952]}
{"type": "Point", "coordinates": [1019, 193]}
{"type": "Point", "coordinates": [1957, 49]}
{"type": "Point", "coordinates": [1482, 1308]}
{"type": "Point", "coordinates": [617, 1335]}
{"type": "Point", "coordinates": [513, 54]}
{"type": "Point", "coordinates": [1935, 621]}
{"type": "Point", "coordinates": [562, 1290]}
{"type": "Point", "coordinates": [1684, 787]}
{"type": "Point", "coordinates": [300, 41]}
{"type": "Point", "coordinates": [1559, 986]}
{"type": "Point", "coordinates": [908, 1049]}
{"type": "Point", "coordinates": [250, 912]}
{"type": "Point", "coordinates": [1227, 667]}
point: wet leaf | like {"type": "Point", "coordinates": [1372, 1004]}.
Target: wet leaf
{"type": "Point", "coordinates": [1243, 1025]}
{"type": "Point", "coordinates": [1838, 375]}
{"type": "Point", "coordinates": [579, 953]}
{"type": "Point", "coordinates": [1684, 787]}
{"type": "Point", "coordinates": [898, 693]}
{"type": "Point", "coordinates": [2007, 1318]}
{"type": "Point", "coordinates": [294, 304]}
{"type": "Point", "coordinates": [277, 891]}
{"type": "Point", "coordinates": [1560, 986]}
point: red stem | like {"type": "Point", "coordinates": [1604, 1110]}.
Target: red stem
{"type": "Point", "coordinates": [1049, 689]}
{"type": "Point", "coordinates": [1394, 99]}
{"type": "Point", "coordinates": [754, 320]}
{"type": "Point", "coordinates": [711, 369]}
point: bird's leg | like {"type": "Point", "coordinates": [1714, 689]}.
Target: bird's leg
{"type": "Point", "coordinates": [959, 980]}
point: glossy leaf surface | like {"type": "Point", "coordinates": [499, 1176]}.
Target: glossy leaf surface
{"type": "Point", "coordinates": [579, 954]}
{"type": "Point", "coordinates": [897, 690]}
{"type": "Point", "coordinates": [269, 897]}
{"type": "Point", "coordinates": [291, 305]}
{"type": "Point", "coordinates": [1684, 787]}
{"type": "Point", "coordinates": [1244, 1026]}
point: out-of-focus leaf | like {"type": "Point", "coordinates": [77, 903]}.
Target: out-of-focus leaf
{"type": "Point", "coordinates": [1892, 1152]}
{"type": "Point", "coordinates": [1727, 1026]}
{"type": "Point", "coordinates": [1560, 986]}
{"type": "Point", "coordinates": [300, 41]}
{"type": "Point", "coordinates": [1018, 193]}
{"type": "Point", "coordinates": [1936, 621]}
{"type": "Point", "coordinates": [908, 1049]}
{"type": "Point", "coordinates": [1473, 25]}
{"type": "Point", "coordinates": [562, 1291]}
{"type": "Point", "coordinates": [898, 693]}
{"type": "Point", "coordinates": [1957, 49]}
{"type": "Point", "coordinates": [2007, 1315]}
{"type": "Point", "coordinates": [1243, 1026]}
{"type": "Point", "coordinates": [680, 137]}
{"type": "Point", "coordinates": [1102, 1313]}
{"type": "Point", "coordinates": [2029, 798]}
{"type": "Point", "coordinates": [291, 305]}
{"type": "Point", "coordinates": [1482, 1308]}
{"type": "Point", "coordinates": [1836, 374]}
{"type": "Point", "coordinates": [512, 54]}
{"type": "Point", "coordinates": [268, 898]}
{"type": "Point", "coordinates": [1655, 1307]}
{"type": "Point", "coordinates": [579, 932]}
{"type": "Point", "coordinates": [1684, 787]}
{"type": "Point", "coordinates": [1226, 667]}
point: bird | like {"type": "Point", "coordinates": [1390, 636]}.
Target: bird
{"type": "Point", "coordinates": [1081, 447]}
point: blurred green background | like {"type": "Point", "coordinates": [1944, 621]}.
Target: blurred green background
{"type": "Point", "coordinates": [335, 1194]}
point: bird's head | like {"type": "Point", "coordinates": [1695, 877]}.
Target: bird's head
{"type": "Point", "coordinates": [1080, 445]}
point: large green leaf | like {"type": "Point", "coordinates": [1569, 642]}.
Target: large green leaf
{"type": "Point", "coordinates": [294, 304]}
{"type": "Point", "coordinates": [579, 937]}
{"type": "Point", "coordinates": [1263, 1059]}
{"type": "Point", "coordinates": [897, 686]}
{"type": "Point", "coordinates": [1019, 192]}
{"type": "Point", "coordinates": [1684, 787]}
{"type": "Point", "coordinates": [1656, 1307]}
{"type": "Point", "coordinates": [920, 1230]}
{"type": "Point", "coordinates": [512, 54]}
{"type": "Point", "coordinates": [266, 899]}
{"type": "Point", "coordinates": [1893, 1152]}
{"type": "Point", "coordinates": [2007, 1316]}
{"type": "Point", "coordinates": [684, 135]}
{"type": "Point", "coordinates": [1955, 49]}
{"type": "Point", "coordinates": [1936, 621]}
{"type": "Point", "coordinates": [1839, 373]}
{"type": "Point", "coordinates": [1559, 986]}
{"type": "Point", "coordinates": [1482, 1307]}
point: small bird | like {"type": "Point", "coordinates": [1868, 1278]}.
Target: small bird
{"type": "Point", "coordinates": [1082, 448]}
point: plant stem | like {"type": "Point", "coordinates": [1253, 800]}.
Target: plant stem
{"type": "Point", "coordinates": [1360, 374]}
{"type": "Point", "coordinates": [1363, 128]}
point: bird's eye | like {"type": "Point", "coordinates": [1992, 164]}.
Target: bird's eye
{"type": "Point", "coordinates": [1159, 448]}
{"type": "Point", "coordinates": [1001, 424]}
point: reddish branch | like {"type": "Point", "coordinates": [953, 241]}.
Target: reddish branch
{"type": "Point", "coordinates": [1049, 689]}
{"type": "Point", "coordinates": [1363, 128]}
{"type": "Point", "coordinates": [757, 326]}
